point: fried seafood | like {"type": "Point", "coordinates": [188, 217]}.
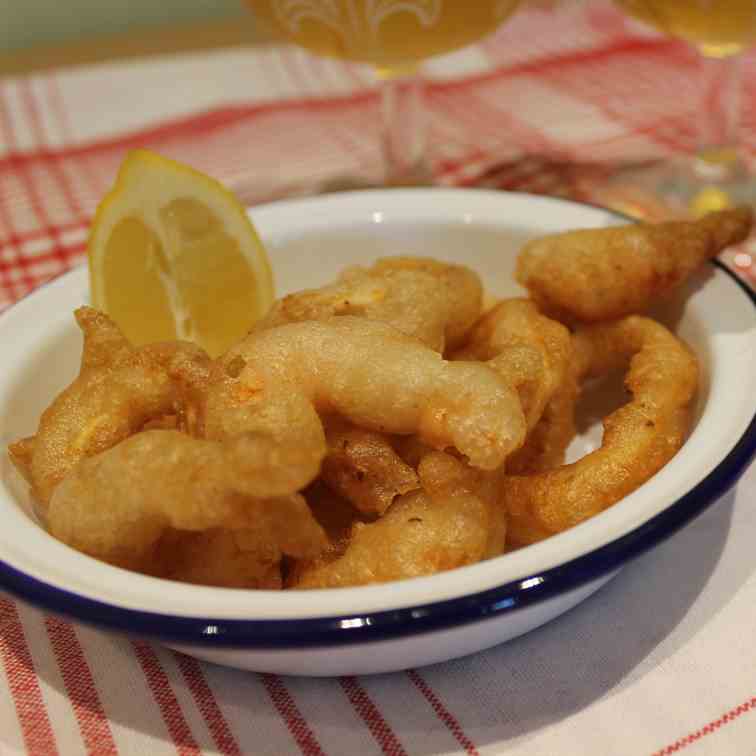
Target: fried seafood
{"type": "Point", "coordinates": [452, 521]}
{"type": "Point", "coordinates": [639, 438]}
{"type": "Point", "coordinates": [363, 467]}
{"type": "Point", "coordinates": [530, 351]}
{"type": "Point", "coordinates": [378, 428]}
{"type": "Point", "coordinates": [219, 557]}
{"type": "Point", "coordinates": [547, 442]}
{"type": "Point", "coordinates": [602, 274]}
{"type": "Point", "coordinates": [433, 301]}
{"type": "Point", "coordinates": [273, 385]}
{"type": "Point", "coordinates": [117, 505]}
{"type": "Point", "coordinates": [118, 390]}
{"type": "Point", "coordinates": [20, 453]}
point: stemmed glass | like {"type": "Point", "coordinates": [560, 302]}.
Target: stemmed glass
{"type": "Point", "coordinates": [716, 176]}
{"type": "Point", "coordinates": [394, 36]}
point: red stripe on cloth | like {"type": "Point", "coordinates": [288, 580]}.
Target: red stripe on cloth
{"type": "Point", "coordinates": [35, 120]}
{"type": "Point", "coordinates": [35, 235]}
{"type": "Point", "coordinates": [443, 713]}
{"type": "Point", "coordinates": [708, 729]}
{"type": "Point", "coordinates": [208, 706]}
{"type": "Point", "coordinates": [93, 723]}
{"type": "Point", "coordinates": [24, 685]}
{"type": "Point", "coordinates": [170, 709]}
{"type": "Point", "coordinates": [373, 718]}
{"type": "Point", "coordinates": [341, 135]}
{"type": "Point", "coordinates": [291, 715]}
{"type": "Point", "coordinates": [57, 104]}
{"type": "Point", "coordinates": [15, 164]}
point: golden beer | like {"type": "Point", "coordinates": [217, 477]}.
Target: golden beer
{"type": "Point", "coordinates": [386, 33]}
{"type": "Point", "coordinates": [719, 28]}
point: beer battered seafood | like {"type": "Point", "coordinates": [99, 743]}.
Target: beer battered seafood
{"type": "Point", "coordinates": [379, 428]}
{"type": "Point", "coordinates": [601, 274]}
{"type": "Point", "coordinates": [639, 438]}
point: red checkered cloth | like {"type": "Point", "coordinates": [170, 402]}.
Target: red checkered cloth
{"type": "Point", "coordinates": [554, 100]}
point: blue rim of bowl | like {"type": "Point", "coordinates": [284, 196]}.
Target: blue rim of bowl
{"type": "Point", "coordinates": [414, 620]}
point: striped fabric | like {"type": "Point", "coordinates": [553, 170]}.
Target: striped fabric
{"type": "Point", "coordinates": [550, 104]}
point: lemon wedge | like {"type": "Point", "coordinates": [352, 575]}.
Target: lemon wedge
{"type": "Point", "coordinates": [172, 254]}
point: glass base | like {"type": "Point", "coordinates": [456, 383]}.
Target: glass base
{"type": "Point", "coordinates": [677, 189]}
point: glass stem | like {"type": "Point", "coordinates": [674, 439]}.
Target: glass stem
{"type": "Point", "coordinates": [717, 158]}
{"type": "Point", "coordinates": [405, 127]}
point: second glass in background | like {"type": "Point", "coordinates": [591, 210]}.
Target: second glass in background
{"type": "Point", "coordinates": [716, 176]}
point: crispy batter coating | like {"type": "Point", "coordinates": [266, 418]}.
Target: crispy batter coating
{"type": "Point", "coordinates": [220, 557]}
{"type": "Point", "coordinates": [363, 467]}
{"type": "Point", "coordinates": [603, 274]}
{"type": "Point", "coordinates": [639, 438]}
{"type": "Point", "coordinates": [272, 386]}
{"type": "Point", "coordinates": [119, 389]}
{"type": "Point", "coordinates": [20, 453]}
{"type": "Point", "coordinates": [547, 442]}
{"type": "Point", "coordinates": [453, 521]}
{"type": "Point", "coordinates": [117, 505]}
{"type": "Point", "coordinates": [433, 301]}
{"type": "Point", "coordinates": [532, 352]}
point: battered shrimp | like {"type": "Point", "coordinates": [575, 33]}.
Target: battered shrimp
{"type": "Point", "coordinates": [273, 385]}
{"type": "Point", "coordinates": [219, 557]}
{"type": "Point", "coordinates": [118, 390]}
{"type": "Point", "coordinates": [639, 438]}
{"type": "Point", "coordinates": [363, 467]}
{"type": "Point", "coordinates": [117, 505]}
{"type": "Point", "coordinates": [530, 351]}
{"type": "Point", "coordinates": [433, 301]}
{"type": "Point", "coordinates": [452, 521]}
{"type": "Point", "coordinates": [607, 273]}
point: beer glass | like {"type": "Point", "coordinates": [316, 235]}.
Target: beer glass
{"type": "Point", "coordinates": [720, 30]}
{"type": "Point", "coordinates": [394, 36]}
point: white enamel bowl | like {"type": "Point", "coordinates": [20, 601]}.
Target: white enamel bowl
{"type": "Point", "coordinates": [414, 622]}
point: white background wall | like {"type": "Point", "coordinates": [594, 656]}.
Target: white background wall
{"type": "Point", "coordinates": [27, 22]}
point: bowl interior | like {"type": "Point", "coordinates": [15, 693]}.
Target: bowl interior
{"type": "Point", "coordinates": [309, 242]}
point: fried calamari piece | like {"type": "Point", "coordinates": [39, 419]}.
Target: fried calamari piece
{"type": "Point", "coordinates": [602, 274]}
{"type": "Point", "coordinates": [117, 505]}
{"type": "Point", "coordinates": [363, 467]}
{"type": "Point", "coordinates": [119, 389]}
{"type": "Point", "coordinates": [546, 444]}
{"type": "Point", "coordinates": [433, 301]}
{"type": "Point", "coordinates": [530, 351]}
{"type": "Point", "coordinates": [452, 522]}
{"type": "Point", "coordinates": [272, 386]}
{"type": "Point", "coordinates": [639, 438]}
{"type": "Point", "coordinates": [20, 453]}
{"type": "Point", "coordinates": [219, 557]}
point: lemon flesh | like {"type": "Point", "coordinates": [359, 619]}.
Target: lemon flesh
{"type": "Point", "coordinates": [172, 254]}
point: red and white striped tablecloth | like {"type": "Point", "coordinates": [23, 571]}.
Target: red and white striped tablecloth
{"type": "Point", "coordinates": [661, 660]}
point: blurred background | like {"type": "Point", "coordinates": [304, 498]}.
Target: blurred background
{"type": "Point", "coordinates": [33, 22]}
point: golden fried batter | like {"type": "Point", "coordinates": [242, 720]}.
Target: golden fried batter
{"type": "Point", "coordinates": [529, 350]}
{"type": "Point", "coordinates": [602, 274]}
{"type": "Point", "coordinates": [452, 522]}
{"type": "Point", "coordinates": [363, 467]}
{"type": "Point", "coordinates": [639, 438]}
{"type": "Point", "coordinates": [119, 389]}
{"type": "Point", "coordinates": [272, 386]}
{"type": "Point", "coordinates": [433, 301]}
{"type": "Point", "coordinates": [117, 505]}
